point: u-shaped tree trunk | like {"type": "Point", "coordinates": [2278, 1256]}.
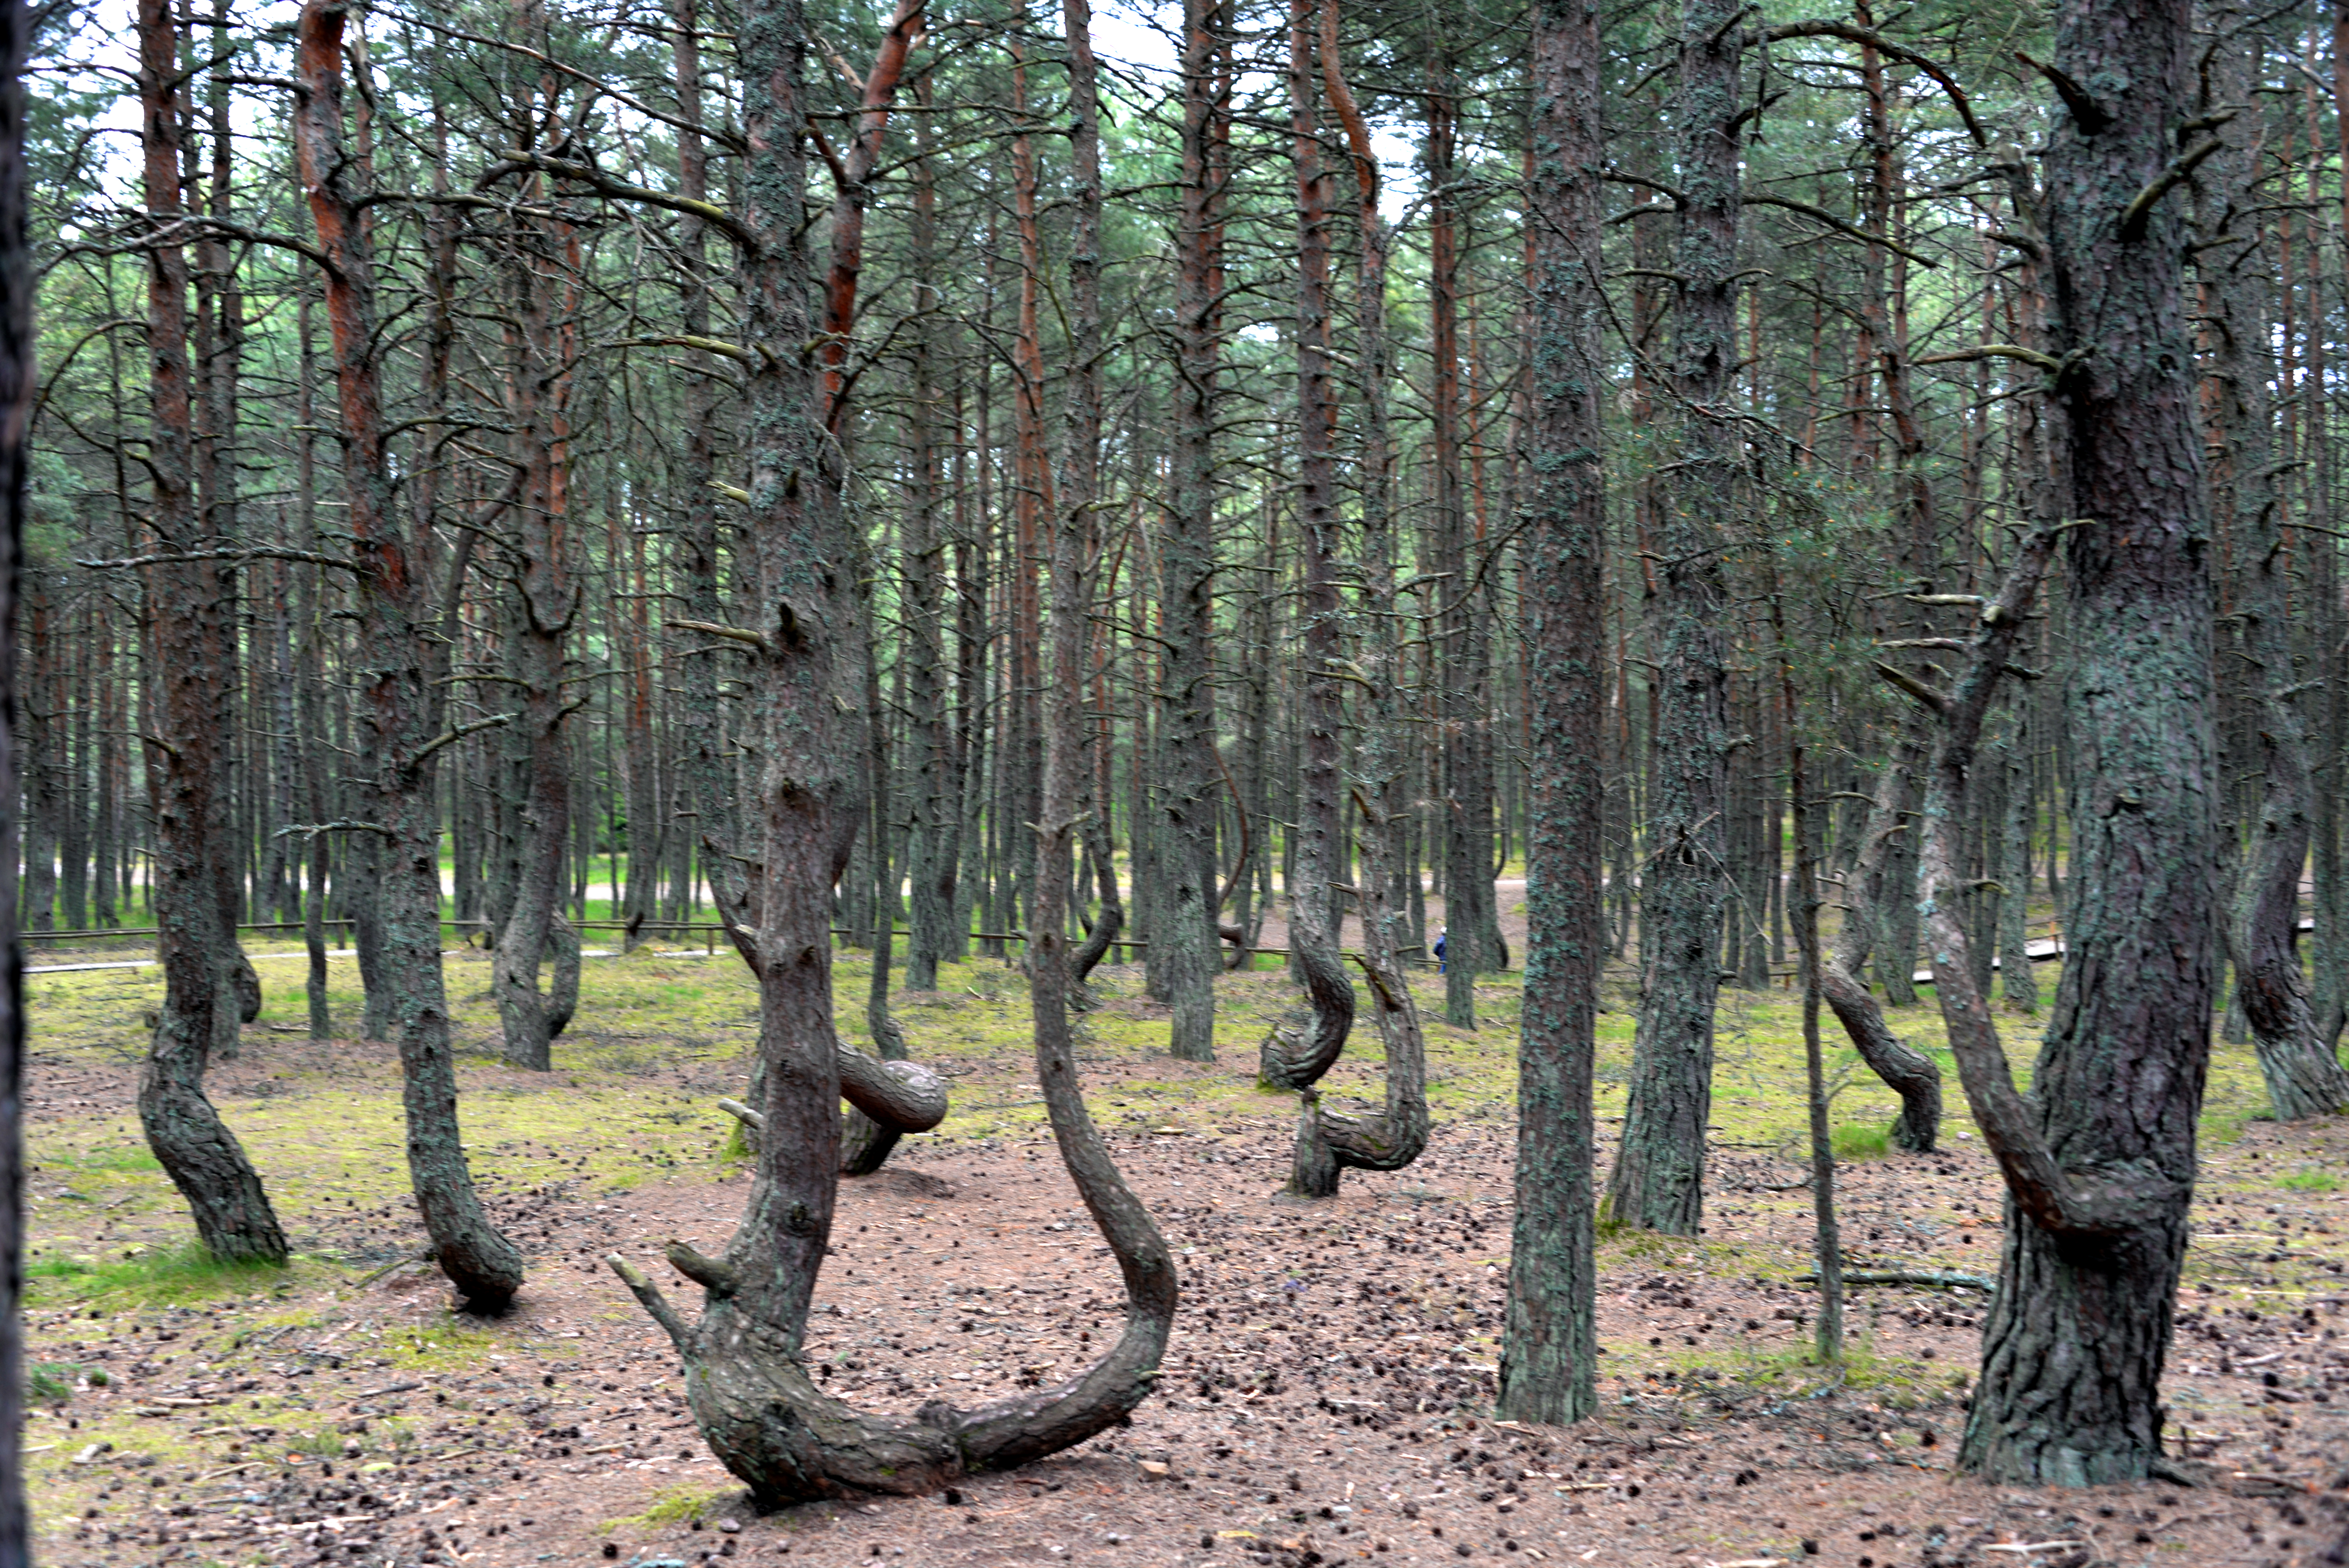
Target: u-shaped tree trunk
{"type": "Point", "coordinates": [746, 1376]}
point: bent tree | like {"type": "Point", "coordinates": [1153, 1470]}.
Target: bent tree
{"type": "Point", "coordinates": [187, 759]}
{"type": "Point", "coordinates": [399, 627]}
{"type": "Point", "coordinates": [1292, 1058]}
{"type": "Point", "coordinates": [1870, 887]}
{"type": "Point", "coordinates": [1329, 1141]}
{"type": "Point", "coordinates": [2099, 1158]}
{"type": "Point", "coordinates": [763, 1414]}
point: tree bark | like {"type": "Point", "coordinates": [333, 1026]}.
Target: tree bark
{"type": "Point", "coordinates": [1866, 886]}
{"type": "Point", "coordinates": [1467, 806]}
{"type": "Point", "coordinates": [1659, 1179]}
{"type": "Point", "coordinates": [1291, 1058]}
{"type": "Point", "coordinates": [1183, 920]}
{"type": "Point", "coordinates": [704, 792]}
{"type": "Point", "coordinates": [203, 1157]}
{"type": "Point", "coordinates": [1827, 1235]}
{"type": "Point", "coordinates": [219, 353]}
{"type": "Point", "coordinates": [2303, 1076]}
{"type": "Point", "coordinates": [761, 1413]}
{"type": "Point", "coordinates": [540, 610]}
{"type": "Point", "coordinates": [2099, 1162]}
{"type": "Point", "coordinates": [1330, 1142]}
{"type": "Point", "coordinates": [1549, 1350]}
{"type": "Point", "coordinates": [18, 396]}
{"type": "Point", "coordinates": [935, 855]}
{"type": "Point", "coordinates": [1086, 785]}
{"type": "Point", "coordinates": [400, 634]}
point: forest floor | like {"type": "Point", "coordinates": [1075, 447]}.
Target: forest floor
{"type": "Point", "coordinates": [1333, 1367]}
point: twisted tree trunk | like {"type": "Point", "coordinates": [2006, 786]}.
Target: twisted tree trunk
{"type": "Point", "coordinates": [186, 761]}
{"type": "Point", "coordinates": [1291, 1058]}
{"type": "Point", "coordinates": [1866, 885]}
{"type": "Point", "coordinates": [748, 1384]}
{"type": "Point", "coordinates": [2099, 1161]}
{"type": "Point", "coordinates": [1328, 1141]}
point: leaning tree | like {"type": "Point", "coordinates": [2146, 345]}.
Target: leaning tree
{"type": "Point", "coordinates": [749, 1386]}
{"type": "Point", "coordinates": [2099, 1157]}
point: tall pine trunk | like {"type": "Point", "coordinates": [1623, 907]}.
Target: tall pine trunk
{"type": "Point", "coordinates": [2303, 1076]}
{"type": "Point", "coordinates": [2100, 1160]}
{"type": "Point", "coordinates": [1549, 1351]}
{"type": "Point", "coordinates": [1659, 1179]}
{"type": "Point", "coordinates": [401, 634]}
{"type": "Point", "coordinates": [1182, 923]}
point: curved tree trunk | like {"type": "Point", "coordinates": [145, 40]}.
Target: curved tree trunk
{"type": "Point", "coordinates": [1290, 1057]}
{"type": "Point", "coordinates": [1328, 1142]}
{"type": "Point", "coordinates": [2100, 1160]}
{"type": "Point", "coordinates": [763, 1414]}
{"type": "Point", "coordinates": [197, 1150]}
{"type": "Point", "coordinates": [1110, 920]}
{"type": "Point", "coordinates": [1909, 1074]}
{"type": "Point", "coordinates": [401, 636]}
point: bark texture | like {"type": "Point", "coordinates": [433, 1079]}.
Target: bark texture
{"type": "Point", "coordinates": [187, 759]}
{"type": "Point", "coordinates": [761, 1413]}
{"type": "Point", "coordinates": [1293, 1058]}
{"type": "Point", "coordinates": [400, 632]}
{"type": "Point", "coordinates": [2099, 1161]}
{"type": "Point", "coordinates": [1182, 917]}
{"type": "Point", "coordinates": [1659, 1179]}
{"type": "Point", "coordinates": [1328, 1141]}
{"type": "Point", "coordinates": [539, 614]}
{"type": "Point", "coordinates": [1549, 1350]}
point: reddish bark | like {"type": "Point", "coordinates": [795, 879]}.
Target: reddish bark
{"type": "Point", "coordinates": [400, 645]}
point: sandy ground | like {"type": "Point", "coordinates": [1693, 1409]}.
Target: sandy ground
{"type": "Point", "coordinates": [1328, 1385]}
